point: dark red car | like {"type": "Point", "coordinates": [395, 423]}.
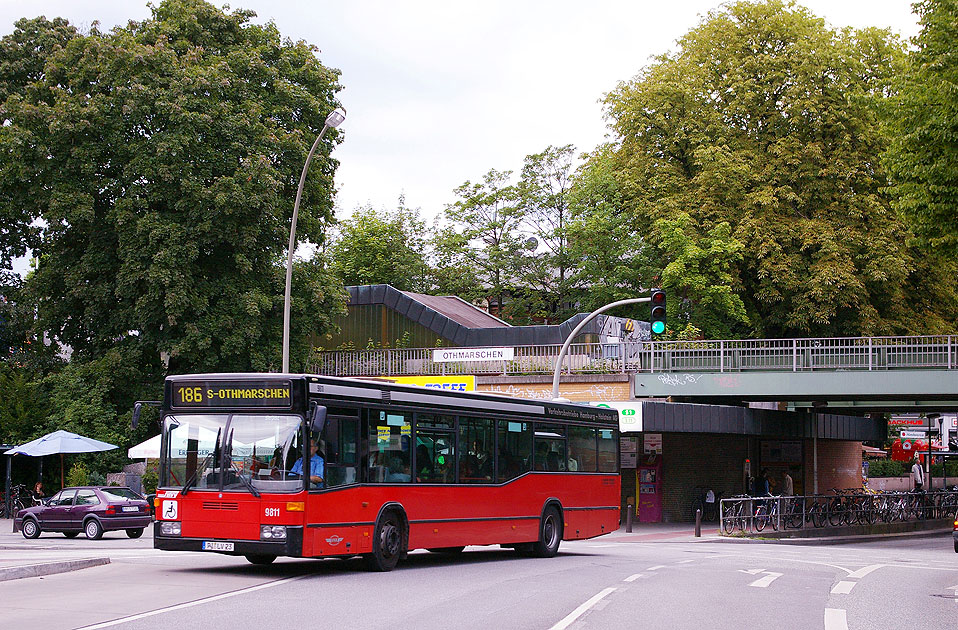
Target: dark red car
{"type": "Point", "coordinates": [88, 509]}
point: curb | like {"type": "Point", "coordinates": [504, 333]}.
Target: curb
{"type": "Point", "coordinates": [49, 568]}
{"type": "Point", "coordinates": [830, 540]}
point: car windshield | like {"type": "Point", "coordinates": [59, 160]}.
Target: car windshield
{"type": "Point", "coordinates": [251, 452]}
{"type": "Point", "coordinates": [120, 494]}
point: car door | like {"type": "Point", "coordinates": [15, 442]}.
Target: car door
{"type": "Point", "coordinates": [57, 515]}
{"type": "Point", "coordinates": [85, 503]}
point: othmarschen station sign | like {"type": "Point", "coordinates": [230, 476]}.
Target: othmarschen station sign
{"type": "Point", "coordinates": [446, 355]}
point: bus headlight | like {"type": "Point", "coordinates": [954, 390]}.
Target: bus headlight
{"type": "Point", "coordinates": [272, 532]}
{"type": "Point", "coordinates": [170, 528]}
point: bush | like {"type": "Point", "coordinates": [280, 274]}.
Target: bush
{"type": "Point", "coordinates": [78, 475]}
{"type": "Point", "coordinates": [886, 468]}
{"type": "Point", "coordinates": [951, 469]}
{"type": "Point", "coordinates": [150, 479]}
{"type": "Point", "coordinates": [96, 479]}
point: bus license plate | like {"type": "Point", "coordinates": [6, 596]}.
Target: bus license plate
{"type": "Point", "coordinates": [212, 545]}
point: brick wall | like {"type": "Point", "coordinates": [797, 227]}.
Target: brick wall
{"type": "Point", "coordinates": [839, 465]}
{"type": "Point", "coordinates": [690, 460]}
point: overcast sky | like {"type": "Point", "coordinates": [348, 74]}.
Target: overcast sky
{"type": "Point", "coordinates": [437, 92]}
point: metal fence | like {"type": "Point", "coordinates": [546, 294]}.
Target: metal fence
{"type": "Point", "coordinates": [787, 355]}
{"type": "Point", "coordinates": [749, 515]}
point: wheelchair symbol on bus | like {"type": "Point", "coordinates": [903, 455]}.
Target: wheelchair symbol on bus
{"type": "Point", "coordinates": [170, 510]}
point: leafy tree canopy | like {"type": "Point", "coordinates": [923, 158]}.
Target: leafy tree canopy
{"type": "Point", "coordinates": [163, 158]}
{"type": "Point", "coordinates": [923, 157]}
{"type": "Point", "coordinates": [766, 120]}
{"type": "Point", "coordinates": [381, 247]}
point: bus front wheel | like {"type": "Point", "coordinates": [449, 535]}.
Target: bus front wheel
{"type": "Point", "coordinates": [387, 543]}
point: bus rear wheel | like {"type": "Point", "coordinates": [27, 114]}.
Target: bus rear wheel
{"type": "Point", "coordinates": [550, 534]}
{"type": "Point", "coordinates": [260, 559]}
{"type": "Point", "coordinates": [387, 543]}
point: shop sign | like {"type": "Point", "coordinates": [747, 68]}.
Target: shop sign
{"type": "Point", "coordinates": [652, 443]}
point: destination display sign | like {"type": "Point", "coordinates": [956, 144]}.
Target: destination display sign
{"type": "Point", "coordinates": [261, 393]}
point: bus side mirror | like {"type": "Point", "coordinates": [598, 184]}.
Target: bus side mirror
{"type": "Point", "coordinates": [317, 419]}
{"type": "Point", "coordinates": [138, 409]}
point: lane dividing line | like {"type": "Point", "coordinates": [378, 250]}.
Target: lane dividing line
{"type": "Point", "coordinates": [656, 567]}
{"type": "Point", "coordinates": [633, 578]}
{"type": "Point", "coordinates": [865, 571]}
{"type": "Point", "coordinates": [685, 561]}
{"type": "Point", "coordinates": [578, 612]}
{"type": "Point", "coordinates": [197, 602]}
{"type": "Point", "coordinates": [835, 619]}
{"type": "Point", "coordinates": [843, 588]}
{"type": "Point", "coordinates": [765, 581]}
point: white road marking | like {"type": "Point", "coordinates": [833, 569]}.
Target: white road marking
{"type": "Point", "coordinates": [578, 612]}
{"type": "Point", "coordinates": [835, 619]}
{"type": "Point", "coordinates": [765, 581]}
{"type": "Point", "coordinates": [751, 571]}
{"type": "Point", "coordinates": [685, 561]}
{"type": "Point", "coordinates": [865, 571]}
{"type": "Point", "coordinates": [634, 577]}
{"type": "Point", "coordinates": [197, 602]}
{"type": "Point", "coordinates": [656, 567]}
{"type": "Point", "coordinates": [843, 588]}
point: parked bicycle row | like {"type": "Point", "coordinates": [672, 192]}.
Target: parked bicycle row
{"type": "Point", "coordinates": [842, 507]}
{"type": "Point", "coordinates": [20, 497]}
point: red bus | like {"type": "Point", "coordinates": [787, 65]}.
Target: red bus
{"type": "Point", "coordinates": [388, 468]}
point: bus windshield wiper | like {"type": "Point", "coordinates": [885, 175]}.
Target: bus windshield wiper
{"type": "Point", "coordinates": [192, 480]}
{"type": "Point", "coordinates": [196, 473]}
{"type": "Point", "coordinates": [228, 452]}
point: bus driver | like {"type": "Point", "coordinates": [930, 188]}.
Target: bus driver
{"type": "Point", "coordinates": [316, 466]}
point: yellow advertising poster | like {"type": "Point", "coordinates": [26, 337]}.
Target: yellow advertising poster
{"type": "Point", "coordinates": [450, 383]}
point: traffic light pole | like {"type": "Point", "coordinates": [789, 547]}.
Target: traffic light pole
{"type": "Point", "coordinates": [575, 331]}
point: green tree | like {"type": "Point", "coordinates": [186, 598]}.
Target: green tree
{"type": "Point", "coordinates": [923, 157]}
{"type": "Point", "coordinates": [767, 120]}
{"type": "Point", "coordinates": [381, 247]}
{"type": "Point", "coordinates": [23, 55]}
{"type": "Point", "coordinates": [545, 270]}
{"type": "Point", "coordinates": [163, 158]}
{"type": "Point", "coordinates": [476, 251]}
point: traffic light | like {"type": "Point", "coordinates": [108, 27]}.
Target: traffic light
{"type": "Point", "coordinates": [658, 311]}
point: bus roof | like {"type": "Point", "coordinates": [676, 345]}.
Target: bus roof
{"type": "Point", "coordinates": [383, 391]}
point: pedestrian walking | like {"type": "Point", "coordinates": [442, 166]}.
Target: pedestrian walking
{"type": "Point", "coordinates": [917, 475]}
{"type": "Point", "coordinates": [788, 486]}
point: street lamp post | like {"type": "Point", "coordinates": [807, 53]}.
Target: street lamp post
{"type": "Point", "coordinates": [575, 331]}
{"type": "Point", "coordinates": [335, 118]}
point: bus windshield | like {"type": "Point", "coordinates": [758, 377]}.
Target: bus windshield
{"type": "Point", "coordinates": [237, 452]}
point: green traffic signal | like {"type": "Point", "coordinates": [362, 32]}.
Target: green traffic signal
{"type": "Point", "coordinates": [657, 320]}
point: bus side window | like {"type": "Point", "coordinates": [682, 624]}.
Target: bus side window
{"type": "Point", "coordinates": [340, 449]}
{"type": "Point", "coordinates": [515, 449]}
{"type": "Point", "coordinates": [607, 458]}
{"type": "Point", "coordinates": [582, 449]}
{"type": "Point", "coordinates": [389, 441]}
{"type": "Point", "coordinates": [475, 450]}
{"type": "Point", "coordinates": [435, 457]}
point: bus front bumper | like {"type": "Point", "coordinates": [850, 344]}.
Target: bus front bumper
{"type": "Point", "coordinates": [292, 546]}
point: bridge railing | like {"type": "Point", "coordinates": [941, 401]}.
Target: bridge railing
{"type": "Point", "coordinates": [734, 355]}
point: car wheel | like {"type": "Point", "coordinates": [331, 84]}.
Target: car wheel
{"type": "Point", "coordinates": [93, 529]}
{"type": "Point", "coordinates": [136, 532]}
{"type": "Point", "coordinates": [260, 559]}
{"type": "Point", "coordinates": [30, 528]}
{"type": "Point", "coordinates": [71, 534]}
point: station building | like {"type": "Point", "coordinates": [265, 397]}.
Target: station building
{"type": "Point", "coordinates": [670, 452]}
